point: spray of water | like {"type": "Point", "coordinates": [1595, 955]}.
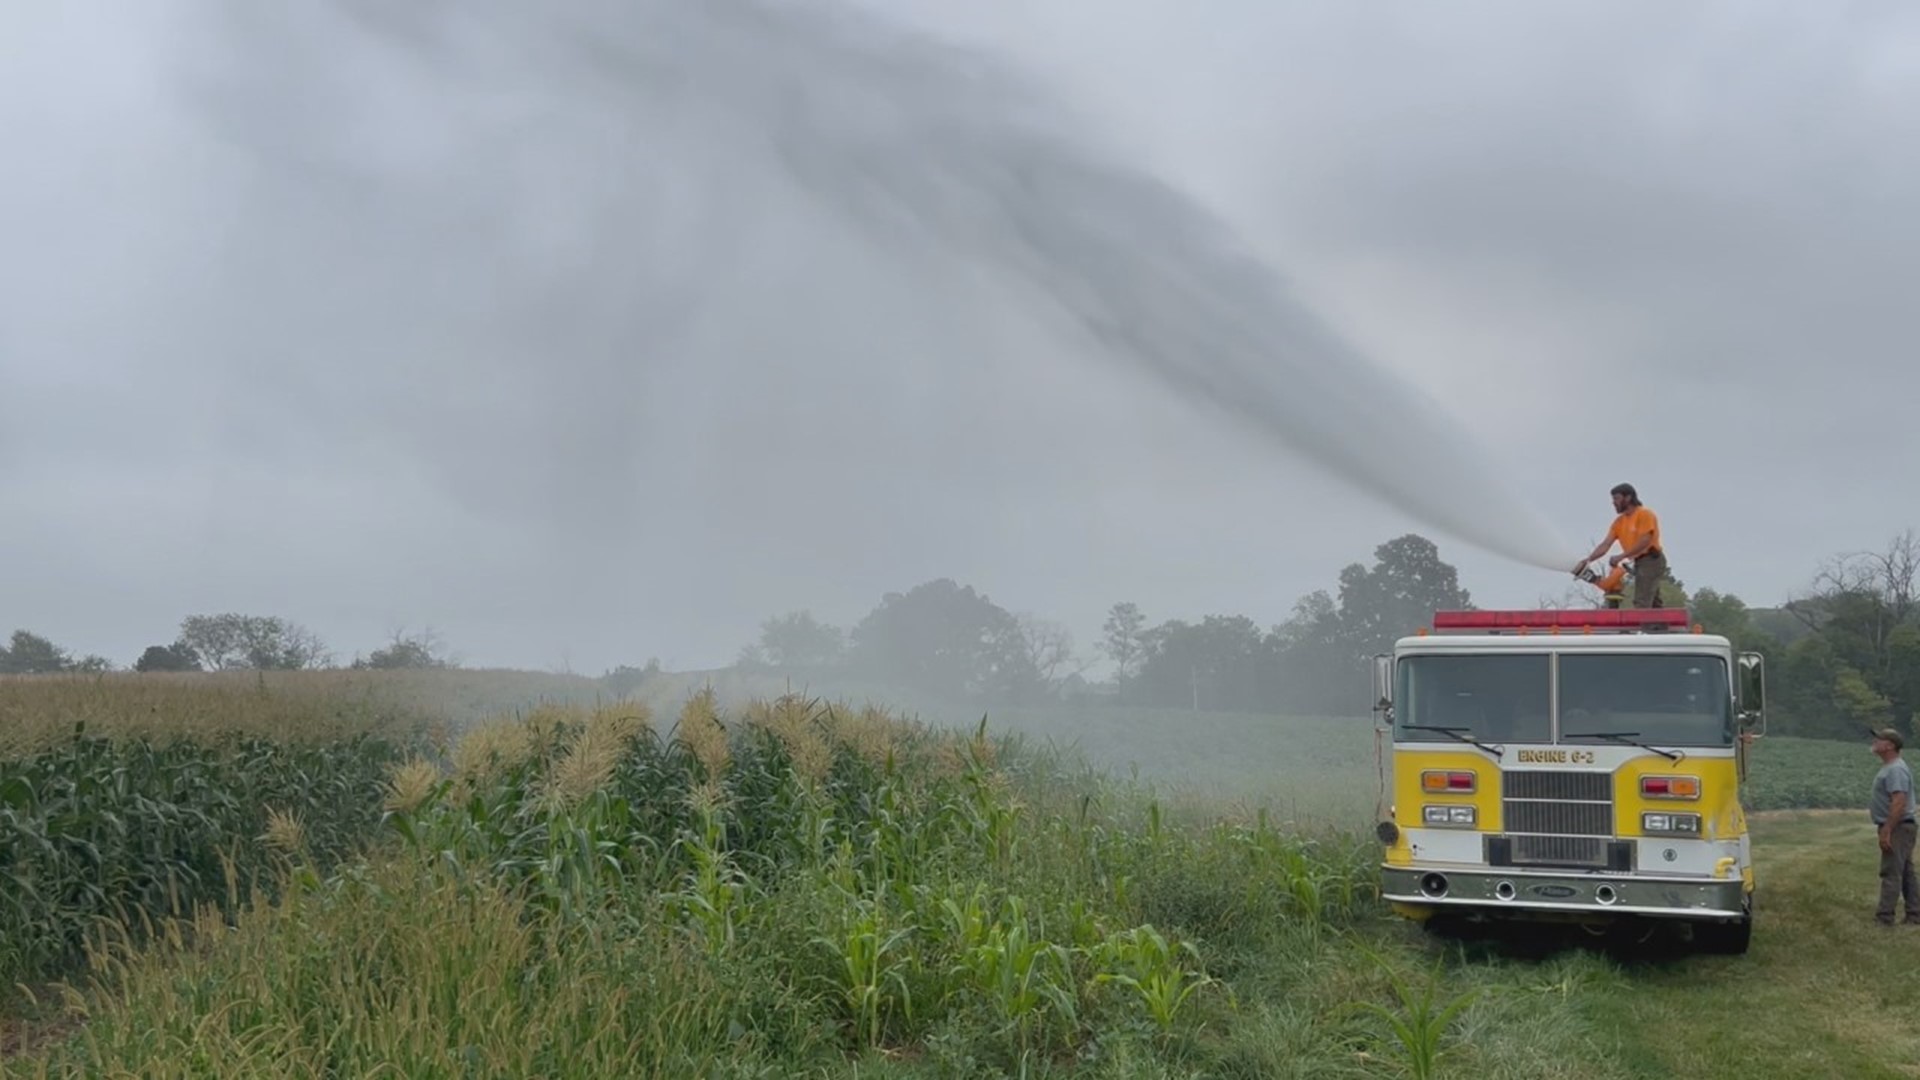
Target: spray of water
{"type": "Point", "coordinates": [943, 156]}
{"type": "Point", "coordinates": [919, 147]}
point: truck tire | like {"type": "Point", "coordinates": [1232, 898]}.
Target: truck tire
{"type": "Point", "coordinates": [1725, 939]}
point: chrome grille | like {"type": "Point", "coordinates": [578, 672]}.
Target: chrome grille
{"type": "Point", "coordinates": [1557, 817]}
{"type": "Point", "coordinates": [1559, 785]}
{"type": "Point", "coordinates": [1561, 850]}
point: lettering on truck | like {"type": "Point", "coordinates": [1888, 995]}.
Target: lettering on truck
{"type": "Point", "coordinates": [1556, 757]}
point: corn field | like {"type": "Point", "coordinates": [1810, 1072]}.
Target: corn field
{"type": "Point", "coordinates": [590, 891]}
{"type": "Point", "coordinates": [235, 877]}
{"type": "Point", "coordinates": [130, 831]}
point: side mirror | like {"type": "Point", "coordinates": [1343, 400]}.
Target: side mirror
{"type": "Point", "coordinates": [1383, 689]}
{"type": "Point", "coordinates": [1751, 695]}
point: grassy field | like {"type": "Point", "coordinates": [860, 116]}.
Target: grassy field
{"type": "Point", "coordinates": [1824, 992]}
{"type": "Point", "coordinates": [784, 889]}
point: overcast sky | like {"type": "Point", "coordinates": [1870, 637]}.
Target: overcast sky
{"type": "Point", "coordinates": [511, 324]}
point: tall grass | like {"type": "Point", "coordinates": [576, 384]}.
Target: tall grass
{"type": "Point", "coordinates": [789, 889]}
{"type": "Point", "coordinates": [785, 889]}
{"type": "Point", "coordinates": [131, 797]}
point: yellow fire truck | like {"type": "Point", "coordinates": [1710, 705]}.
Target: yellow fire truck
{"type": "Point", "coordinates": [1576, 765]}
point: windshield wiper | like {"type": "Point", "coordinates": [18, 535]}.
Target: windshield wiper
{"type": "Point", "coordinates": [1455, 732]}
{"type": "Point", "coordinates": [1624, 736]}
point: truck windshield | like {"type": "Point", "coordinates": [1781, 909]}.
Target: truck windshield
{"type": "Point", "coordinates": [1657, 700]}
{"type": "Point", "coordinates": [1495, 699]}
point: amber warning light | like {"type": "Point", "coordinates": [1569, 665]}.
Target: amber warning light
{"type": "Point", "coordinates": [1552, 618]}
{"type": "Point", "coordinates": [1436, 780]}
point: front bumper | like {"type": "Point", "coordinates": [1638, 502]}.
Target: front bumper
{"type": "Point", "coordinates": [1491, 891]}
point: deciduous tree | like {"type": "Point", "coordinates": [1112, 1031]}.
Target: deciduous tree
{"type": "Point", "coordinates": [231, 641]}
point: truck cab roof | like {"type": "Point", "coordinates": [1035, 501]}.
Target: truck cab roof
{"type": "Point", "coordinates": [1655, 630]}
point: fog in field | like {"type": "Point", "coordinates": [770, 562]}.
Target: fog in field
{"type": "Point", "coordinates": [588, 332]}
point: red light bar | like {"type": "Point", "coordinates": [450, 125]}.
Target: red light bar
{"type": "Point", "coordinates": [1515, 620]}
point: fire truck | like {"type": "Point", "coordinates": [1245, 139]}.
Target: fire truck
{"type": "Point", "coordinates": [1569, 765]}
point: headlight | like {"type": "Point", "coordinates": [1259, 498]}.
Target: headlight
{"type": "Point", "coordinates": [1671, 824]}
{"type": "Point", "coordinates": [1449, 816]}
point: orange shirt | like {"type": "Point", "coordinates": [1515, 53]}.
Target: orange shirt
{"type": "Point", "coordinates": [1633, 524]}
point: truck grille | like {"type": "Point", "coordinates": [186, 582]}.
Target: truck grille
{"type": "Point", "coordinates": [1545, 784]}
{"type": "Point", "coordinates": [1560, 851]}
{"type": "Point", "coordinates": [1555, 818]}
{"type": "Point", "coordinates": [1559, 818]}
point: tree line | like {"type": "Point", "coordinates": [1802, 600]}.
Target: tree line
{"type": "Point", "coordinates": [952, 642]}
{"type": "Point", "coordinates": [1843, 653]}
{"type": "Point", "coordinates": [225, 642]}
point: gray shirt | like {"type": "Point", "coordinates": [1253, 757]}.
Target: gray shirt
{"type": "Point", "coordinates": [1893, 776]}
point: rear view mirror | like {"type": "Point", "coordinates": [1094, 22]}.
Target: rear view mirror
{"type": "Point", "coordinates": [1383, 688]}
{"type": "Point", "coordinates": [1751, 693]}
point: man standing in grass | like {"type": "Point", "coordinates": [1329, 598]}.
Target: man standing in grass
{"type": "Point", "coordinates": [1893, 815]}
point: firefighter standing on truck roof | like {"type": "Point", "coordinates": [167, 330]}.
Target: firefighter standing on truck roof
{"type": "Point", "coordinates": [1638, 531]}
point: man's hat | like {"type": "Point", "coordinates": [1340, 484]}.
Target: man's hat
{"type": "Point", "coordinates": [1890, 735]}
{"type": "Point", "coordinates": [1624, 489]}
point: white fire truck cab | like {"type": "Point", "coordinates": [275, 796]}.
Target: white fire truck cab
{"type": "Point", "coordinates": [1579, 765]}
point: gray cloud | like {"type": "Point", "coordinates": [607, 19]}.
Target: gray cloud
{"type": "Point", "coordinates": [417, 325]}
